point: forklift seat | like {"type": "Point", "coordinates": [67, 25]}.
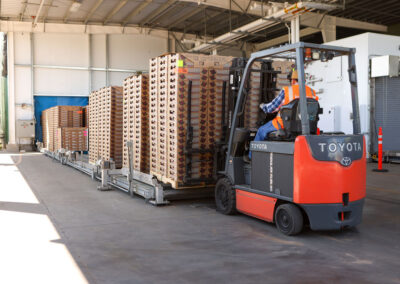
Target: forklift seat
{"type": "Point", "coordinates": [291, 118]}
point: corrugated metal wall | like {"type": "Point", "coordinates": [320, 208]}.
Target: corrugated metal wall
{"type": "Point", "coordinates": [72, 65]}
{"type": "Point", "coordinates": [387, 111]}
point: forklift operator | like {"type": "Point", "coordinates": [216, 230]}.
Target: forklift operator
{"type": "Point", "coordinates": [286, 95]}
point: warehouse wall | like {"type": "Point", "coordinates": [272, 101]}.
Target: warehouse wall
{"type": "Point", "coordinates": [334, 86]}
{"type": "Point", "coordinates": [71, 64]}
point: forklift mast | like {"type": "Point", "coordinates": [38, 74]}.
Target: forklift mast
{"type": "Point", "coordinates": [267, 89]}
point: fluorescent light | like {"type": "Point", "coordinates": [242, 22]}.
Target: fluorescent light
{"type": "Point", "coordinates": [75, 6]}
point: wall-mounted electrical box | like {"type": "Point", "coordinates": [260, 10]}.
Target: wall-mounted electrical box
{"type": "Point", "coordinates": [387, 65]}
{"type": "Point", "coordinates": [25, 128]}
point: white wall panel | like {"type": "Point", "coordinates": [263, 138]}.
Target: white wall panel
{"type": "Point", "coordinates": [125, 51]}
{"type": "Point", "coordinates": [98, 80]}
{"type": "Point", "coordinates": [61, 49]}
{"type": "Point", "coordinates": [22, 48]}
{"type": "Point", "coordinates": [23, 91]}
{"type": "Point", "coordinates": [98, 51]}
{"type": "Point", "coordinates": [117, 78]}
{"type": "Point", "coordinates": [53, 82]}
{"type": "Point", "coordinates": [134, 51]}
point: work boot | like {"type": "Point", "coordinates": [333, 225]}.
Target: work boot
{"type": "Point", "coordinates": [246, 159]}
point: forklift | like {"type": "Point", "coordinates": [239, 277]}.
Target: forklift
{"type": "Point", "coordinates": [298, 176]}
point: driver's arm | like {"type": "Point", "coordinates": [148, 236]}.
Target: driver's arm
{"type": "Point", "coordinates": [275, 105]}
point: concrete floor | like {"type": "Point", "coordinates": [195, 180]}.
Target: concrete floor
{"type": "Point", "coordinates": [57, 228]}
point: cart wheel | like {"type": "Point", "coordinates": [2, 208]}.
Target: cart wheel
{"type": "Point", "coordinates": [225, 197]}
{"type": "Point", "coordinates": [288, 219]}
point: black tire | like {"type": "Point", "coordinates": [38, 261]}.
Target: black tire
{"type": "Point", "coordinates": [225, 197]}
{"type": "Point", "coordinates": [289, 219]}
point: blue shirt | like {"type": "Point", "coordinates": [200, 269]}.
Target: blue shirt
{"type": "Point", "coordinates": [276, 103]}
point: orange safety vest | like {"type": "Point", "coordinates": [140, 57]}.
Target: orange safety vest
{"type": "Point", "coordinates": [292, 93]}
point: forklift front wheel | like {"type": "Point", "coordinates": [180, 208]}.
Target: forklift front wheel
{"type": "Point", "coordinates": [288, 219]}
{"type": "Point", "coordinates": [225, 197]}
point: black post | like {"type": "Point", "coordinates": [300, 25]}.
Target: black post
{"type": "Point", "coordinates": [189, 136]}
{"type": "Point", "coordinates": [224, 126]}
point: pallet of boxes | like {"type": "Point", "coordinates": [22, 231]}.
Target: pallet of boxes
{"type": "Point", "coordinates": [185, 116]}
{"type": "Point", "coordinates": [64, 128]}
{"type": "Point", "coordinates": [105, 125]}
{"type": "Point", "coordinates": [136, 122]}
{"type": "Point", "coordinates": [174, 117]}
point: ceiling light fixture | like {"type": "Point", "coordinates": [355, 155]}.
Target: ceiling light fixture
{"type": "Point", "coordinates": [75, 6]}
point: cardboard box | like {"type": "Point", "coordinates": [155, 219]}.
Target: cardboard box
{"type": "Point", "coordinates": [72, 138]}
{"type": "Point", "coordinates": [105, 125]}
{"type": "Point", "coordinates": [136, 121]}
{"type": "Point", "coordinates": [169, 109]}
{"type": "Point", "coordinates": [59, 117]}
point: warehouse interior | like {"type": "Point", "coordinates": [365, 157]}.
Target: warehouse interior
{"type": "Point", "coordinates": [128, 126]}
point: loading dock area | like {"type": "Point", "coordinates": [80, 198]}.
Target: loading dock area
{"type": "Point", "coordinates": [199, 141]}
{"type": "Point", "coordinates": [85, 235]}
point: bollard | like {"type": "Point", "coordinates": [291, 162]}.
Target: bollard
{"type": "Point", "coordinates": [380, 152]}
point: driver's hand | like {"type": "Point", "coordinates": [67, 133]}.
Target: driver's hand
{"type": "Point", "coordinates": [262, 106]}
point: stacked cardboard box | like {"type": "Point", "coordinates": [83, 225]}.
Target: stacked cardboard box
{"type": "Point", "coordinates": [105, 125]}
{"type": "Point", "coordinates": [72, 138]}
{"type": "Point", "coordinates": [85, 117]}
{"type": "Point", "coordinates": [169, 109]}
{"type": "Point", "coordinates": [59, 117]}
{"type": "Point", "coordinates": [45, 132]}
{"type": "Point", "coordinates": [285, 68]}
{"type": "Point", "coordinates": [136, 121]}
{"type": "Point", "coordinates": [253, 98]}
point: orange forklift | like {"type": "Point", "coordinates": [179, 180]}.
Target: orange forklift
{"type": "Point", "coordinates": [297, 176]}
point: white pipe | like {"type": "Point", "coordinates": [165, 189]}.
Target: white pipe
{"type": "Point", "coordinates": [297, 20]}
{"type": "Point", "coordinates": [38, 13]}
{"type": "Point", "coordinates": [295, 29]}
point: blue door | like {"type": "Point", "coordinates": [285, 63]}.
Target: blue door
{"type": "Point", "coordinates": [44, 102]}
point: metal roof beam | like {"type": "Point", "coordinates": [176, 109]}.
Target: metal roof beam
{"type": "Point", "coordinates": [156, 13]}
{"type": "Point", "coordinates": [314, 17]}
{"type": "Point", "coordinates": [23, 9]}
{"type": "Point", "coordinates": [185, 17]}
{"type": "Point", "coordinates": [136, 11]}
{"type": "Point", "coordinates": [283, 39]}
{"type": "Point", "coordinates": [238, 5]}
{"type": "Point", "coordinates": [208, 18]}
{"type": "Point", "coordinates": [92, 10]}
{"type": "Point", "coordinates": [68, 12]}
{"type": "Point", "coordinates": [314, 20]}
{"type": "Point", "coordinates": [115, 10]}
{"type": "Point", "coordinates": [46, 12]}
{"type": "Point", "coordinates": [38, 13]}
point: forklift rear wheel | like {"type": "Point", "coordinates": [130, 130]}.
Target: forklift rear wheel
{"type": "Point", "coordinates": [225, 197]}
{"type": "Point", "coordinates": [288, 219]}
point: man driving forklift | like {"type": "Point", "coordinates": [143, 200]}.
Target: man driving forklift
{"type": "Point", "coordinates": [286, 95]}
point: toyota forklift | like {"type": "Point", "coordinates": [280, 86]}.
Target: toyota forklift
{"type": "Point", "coordinates": [297, 176]}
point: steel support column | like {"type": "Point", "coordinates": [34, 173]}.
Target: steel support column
{"type": "Point", "coordinates": [11, 90]}
{"type": "Point", "coordinates": [89, 38]}
{"type": "Point", "coordinates": [107, 62]}
{"type": "Point", "coordinates": [295, 29]}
